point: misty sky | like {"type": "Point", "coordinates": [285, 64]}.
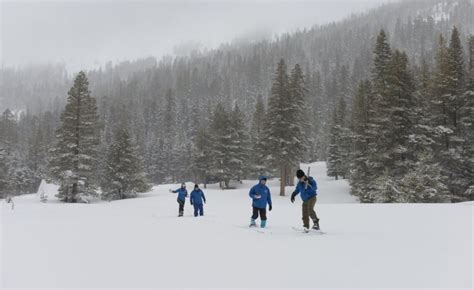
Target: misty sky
{"type": "Point", "coordinates": [86, 34]}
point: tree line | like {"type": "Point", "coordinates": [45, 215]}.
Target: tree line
{"type": "Point", "coordinates": [410, 136]}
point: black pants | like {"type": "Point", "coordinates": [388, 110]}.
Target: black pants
{"type": "Point", "coordinates": [181, 205]}
{"type": "Point", "coordinates": [261, 211]}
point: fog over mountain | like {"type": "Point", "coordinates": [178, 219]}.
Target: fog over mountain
{"type": "Point", "coordinates": [86, 34]}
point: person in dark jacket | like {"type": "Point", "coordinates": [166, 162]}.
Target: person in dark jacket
{"type": "Point", "coordinates": [182, 194]}
{"type": "Point", "coordinates": [260, 195]}
{"type": "Point", "coordinates": [197, 198]}
{"type": "Point", "coordinates": [307, 187]}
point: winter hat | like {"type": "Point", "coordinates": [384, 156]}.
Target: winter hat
{"type": "Point", "coordinates": [183, 184]}
{"type": "Point", "coordinates": [299, 173]}
{"type": "Point", "coordinates": [262, 177]}
{"type": "Point", "coordinates": [196, 185]}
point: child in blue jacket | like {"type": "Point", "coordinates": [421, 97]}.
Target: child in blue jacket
{"type": "Point", "coordinates": [260, 195]}
{"type": "Point", "coordinates": [307, 187]}
{"type": "Point", "coordinates": [182, 194]}
{"type": "Point", "coordinates": [197, 198]}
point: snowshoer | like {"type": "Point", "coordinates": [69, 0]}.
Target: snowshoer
{"type": "Point", "coordinates": [261, 196]}
{"type": "Point", "coordinates": [306, 187]}
{"type": "Point", "coordinates": [182, 194]}
{"type": "Point", "coordinates": [197, 198]}
{"type": "Point", "coordinates": [10, 200]}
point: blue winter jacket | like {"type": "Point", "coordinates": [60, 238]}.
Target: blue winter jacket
{"type": "Point", "coordinates": [264, 192]}
{"type": "Point", "coordinates": [182, 193]}
{"type": "Point", "coordinates": [197, 197]}
{"type": "Point", "coordinates": [307, 190]}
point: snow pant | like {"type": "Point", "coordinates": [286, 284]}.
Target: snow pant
{"type": "Point", "coordinates": [261, 211]}
{"type": "Point", "coordinates": [181, 206]}
{"type": "Point", "coordinates": [198, 209]}
{"type": "Point", "coordinates": [308, 211]}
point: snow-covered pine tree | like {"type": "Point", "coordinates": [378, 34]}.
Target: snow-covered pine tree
{"type": "Point", "coordinates": [447, 106]}
{"type": "Point", "coordinates": [278, 123]}
{"type": "Point", "coordinates": [240, 147]}
{"type": "Point", "coordinates": [360, 176]}
{"type": "Point", "coordinates": [334, 159]}
{"type": "Point", "coordinates": [124, 176]}
{"type": "Point", "coordinates": [183, 160]}
{"type": "Point", "coordinates": [300, 128]}
{"type": "Point", "coordinates": [378, 129]}
{"type": "Point", "coordinates": [339, 143]}
{"type": "Point", "coordinates": [401, 108]}
{"type": "Point", "coordinates": [466, 127]}
{"type": "Point", "coordinates": [203, 157]}
{"type": "Point", "coordinates": [21, 178]}
{"type": "Point", "coordinates": [37, 151]}
{"type": "Point", "coordinates": [169, 121]}
{"type": "Point", "coordinates": [8, 139]}
{"type": "Point", "coordinates": [156, 168]}
{"type": "Point", "coordinates": [222, 142]}
{"type": "Point", "coordinates": [316, 117]}
{"type": "Point", "coordinates": [8, 130]}
{"type": "Point", "coordinates": [4, 170]}
{"type": "Point", "coordinates": [257, 152]}
{"type": "Point", "coordinates": [73, 159]}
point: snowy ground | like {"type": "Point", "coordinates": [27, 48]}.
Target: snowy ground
{"type": "Point", "coordinates": [141, 243]}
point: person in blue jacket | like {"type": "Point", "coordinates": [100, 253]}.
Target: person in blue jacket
{"type": "Point", "coordinates": [197, 198]}
{"type": "Point", "coordinates": [182, 194]}
{"type": "Point", "coordinates": [260, 195]}
{"type": "Point", "coordinates": [306, 187]}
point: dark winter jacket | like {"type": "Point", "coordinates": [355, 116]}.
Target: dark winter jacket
{"type": "Point", "coordinates": [182, 193]}
{"type": "Point", "coordinates": [197, 197]}
{"type": "Point", "coordinates": [264, 192]}
{"type": "Point", "coordinates": [307, 190]}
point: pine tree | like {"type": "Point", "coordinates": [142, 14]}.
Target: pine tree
{"type": "Point", "coordinates": [456, 57]}
{"type": "Point", "coordinates": [382, 56]}
{"type": "Point", "coordinates": [157, 171]}
{"type": "Point", "coordinates": [277, 125]}
{"type": "Point", "coordinates": [470, 82]}
{"type": "Point", "coordinates": [239, 149]}
{"type": "Point", "coordinates": [402, 105]}
{"type": "Point", "coordinates": [360, 176]}
{"type": "Point", "coordinates": [8, 130]}
{"type": "Point", "coordinates": [378, 125]}
{"type": "Point", "coordinates": [299, 112]}
{"type": "Point", "coordinates": [74, 156]}
{"type": "Point", "coordinates": [124, 175]}
{"type": "Point", "coordinates": [315, 95]}
{"type": "Point", "coordinates": [222, 142]}
{"type": "Point", "coordinates": [4, 170]}
{"type": "Point", "coordinates": [169, 116]}
{"type": "Point", "coordinates": [257, 153]}
{"type": "Point", "coordinates": [466, 130]}
{"type": "Point", "coordinates": [203, 157]}
{"type": "Point", "coordinates": [338, 149]}
{"type": "Point", "coordinates": [449, 106]}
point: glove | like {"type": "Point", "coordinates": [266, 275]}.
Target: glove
{"type": "Point", "coordinates": [293, 195]}
{"type": "Point", "coordinates": [270, 208]}
{"type": "Point", "coordinates": [191, 203]}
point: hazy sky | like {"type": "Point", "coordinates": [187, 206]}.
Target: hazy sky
{"type": "Point", "coordinates": [84, 34]}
